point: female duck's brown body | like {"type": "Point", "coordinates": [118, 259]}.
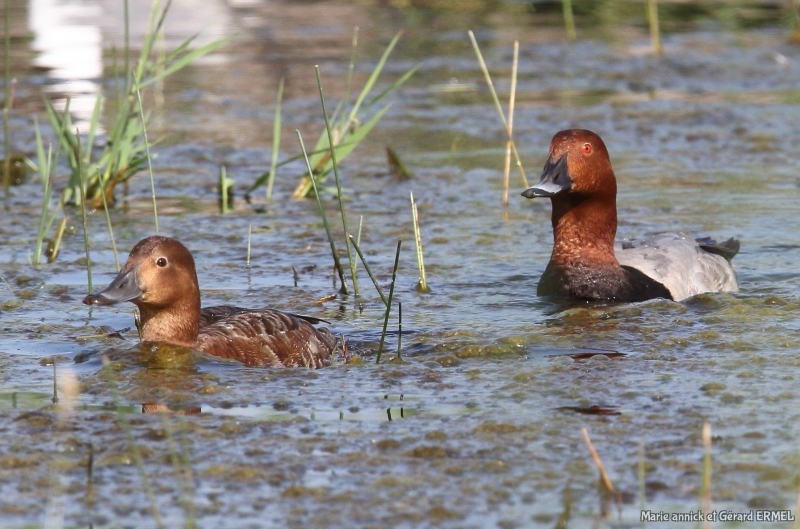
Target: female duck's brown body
{"type": "Point", "coordinates": [160, 278]}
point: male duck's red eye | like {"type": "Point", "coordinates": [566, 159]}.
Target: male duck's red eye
{"type": "Point", "coordinates": [587, 148]}
{"type": "Point", "coordinates": [162, 262]}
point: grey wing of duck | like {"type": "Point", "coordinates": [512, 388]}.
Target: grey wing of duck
{"type": "Point", "coordinates": [679, 263]}
{"type": "Point", "coordinates": [267, 338]}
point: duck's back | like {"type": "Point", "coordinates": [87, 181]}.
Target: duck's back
{"type": "Point", "coordinates": [680, 263]}
{"type": "Point", "coordinates": [264, 338]}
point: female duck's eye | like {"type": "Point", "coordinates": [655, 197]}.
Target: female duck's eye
{"type": "Point", "coordinates": [587, 148]}
{"type": "Point", "coordinates": [162, 262]}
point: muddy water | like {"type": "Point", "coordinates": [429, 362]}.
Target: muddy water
{"type": "Point", "coordinates": [480, 425]}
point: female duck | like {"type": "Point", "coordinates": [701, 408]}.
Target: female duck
{"type": "Point", "coordinates": [586, 263]}
{"type": "Point", "coordinates": [159, 278]}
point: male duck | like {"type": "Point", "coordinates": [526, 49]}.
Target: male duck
{"type": "Point", "coordinates": [586, 263]}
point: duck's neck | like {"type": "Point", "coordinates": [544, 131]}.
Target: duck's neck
{"type": "Point", "coordinates": [584, 229]}
{"type": "Point", "coordinates": [177, 324]}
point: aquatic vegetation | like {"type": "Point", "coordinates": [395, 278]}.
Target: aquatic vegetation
{"type": "Point", "coordinates": [335, 166]}
{"type": "Point", "coordinates": [655, 31]}
{"type": "Point", "coordinates": [422, 284]}
{"type": "Point", "coordinates": [276, 141]}
{"type": "Point", "coordinates": [46, 163]}
{"type": "Point", "coordinates": [126, 150]}
{"type": "Point", "coordinates": [225, 190]}
{"type": "Point", "coordinates": [369, 270]}
{"type": "Point", "coordinates": [334, 253]}
{"type": "Point", "coordinates": [348, 131]}
{"type": "Point", "coordinates": [389, 302]}
{"type": "Point", "coordinates": [569, 19]}
{"type": "Point", "coordinates": [507, 124]}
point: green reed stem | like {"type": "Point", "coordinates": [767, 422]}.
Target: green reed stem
{"type": "Point", "coordinates": [7, 106]}
{"type": "Point", "coordinates": [225, 207]}
{"type": "Point", "coordinates": [249, 238]}
{"type": "Point", "coordinates": [149, 159]}
{"type": "Point", "coordinates": [82, 175]}
{"type": "Point", "coordinates": [422, 285]}
{"type": "Point", "coordinates": [338, 183]}
{"type": "Point", "coordinates": [45, 162]}
{"type": "Point", "coordinates": [336, 261]}
{"type": "Point", "coordinates": [569, 19]}
{"type": "Point", "coordinates": [358, 236]}
{"type": "Point", "coordinates": [399, 330]}
{"type": "Point", "coordinates": [369, 271]}
{"type": "Point", "coordinates": [137, 456]}
{"type": "Point", "coordinates": [497, 106]}
{"type": "Point", "coordinates": [276, 142]}
{"type": "Point", "coordinates": [55, 383]}
{"type": "Point", "coordinates": [655, 32]}
{"type": "Point", "coordinates": [103, 182]}
{"type": "Point", "coordinates": [389, 302]}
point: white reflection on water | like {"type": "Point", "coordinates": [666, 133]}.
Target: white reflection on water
{"type": "Point", "coordinates": [71, 36]}
{"type": "Point", "coordinates": [70, 45]}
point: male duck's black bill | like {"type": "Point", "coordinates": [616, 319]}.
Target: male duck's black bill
{"type": "Point", "coordinates": [555, 179]}
{"type": "Point", "coordinates": [123, 288]}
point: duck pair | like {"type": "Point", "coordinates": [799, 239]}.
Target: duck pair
{"type": "Point", "coordinates": [159, 276]}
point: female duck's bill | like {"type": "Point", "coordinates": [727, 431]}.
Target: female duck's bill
{"type": "Point", "coordinates": [159, 277]}
{"type": "Point", "coordinates": [586, 264]}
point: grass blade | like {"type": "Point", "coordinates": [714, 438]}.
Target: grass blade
{"type": "Point", "coordinates": [369, 271]}
{"type": "Point", "coordinates": [389, 302]}
{"type": "Point", "coordinates": [569, 19]}
{"type": "Point", "coordinates": [83, 213]}
{"type": "Point", "coordinates": [276, 142]}
{"type": "Point", "coordinates": [392, 87]}
{"type": "Point", "coordinates": [422, 285]}
{"type": "Point", "coordinates": [44, 163]}
{"type": "Point", "coordinates": [655, 33]}
{"type": "Point", "coordinates": [352, 261]}
{"type": "Point", "coordinates": [149, 160]}
{"type": "Point", "coordinates": [324, 219]}
{"type": "Point", "coordinates": [184, 60]}
{"type": "Point", "coordinates": [373, 77]}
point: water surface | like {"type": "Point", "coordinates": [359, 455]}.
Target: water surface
{"type": "Point", "coordinates": [480, 425]}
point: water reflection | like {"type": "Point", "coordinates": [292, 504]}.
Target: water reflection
{"type": "Point", "coordinates": [70, 46]}
{"type": "Point", "coordinates": [71, 39]}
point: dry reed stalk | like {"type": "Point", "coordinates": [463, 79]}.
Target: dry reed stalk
{"type": "Point", "coordinates": [707, 471]}
{"type": "Point", "coordinates": [597, 462]}
{"type": "Point", "coordinates": [655, 33]}
{"type": "Point", "coordinates": [510, 129]}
